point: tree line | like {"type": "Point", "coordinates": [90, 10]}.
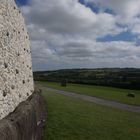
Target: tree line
{"type": "Point", "coordinates": [128, 78]}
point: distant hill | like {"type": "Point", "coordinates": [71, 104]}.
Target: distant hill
{"type": "Point", "coordinates": [115, 77]}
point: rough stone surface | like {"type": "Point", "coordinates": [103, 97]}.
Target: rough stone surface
{"type": "Point", "coordinates": [16, 82]}
{"type": "Point", "coordinates": [26, 122]}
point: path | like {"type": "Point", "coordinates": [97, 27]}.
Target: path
{"type": "Point", "coordinates": [132, 108]}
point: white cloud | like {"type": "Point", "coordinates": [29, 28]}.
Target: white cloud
{"type": "Point", "coordinates": [63, 34]}
{"type": "Point", "coordinates": [69, 17]}
{"type": "Point", "coordinates": [126, 8]}
{"type": "Point", "coordinates": [127, 11]}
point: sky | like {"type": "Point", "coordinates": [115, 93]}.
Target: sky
{"type": "Point", "coordinates": [83, 33]}
{"type": "Point", "coordinates": [22, 2]}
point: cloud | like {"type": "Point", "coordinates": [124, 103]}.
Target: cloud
{"type": "Point", "coordinates": [68, 17]}
{"type": "Point", "coordinates": [127, 11]}
{"type": "Point", "coordinates": [63, 34]}
{"type": "Point", "coordinates": [126, 8]}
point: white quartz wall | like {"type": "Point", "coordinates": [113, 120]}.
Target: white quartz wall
{"type": "Point", "coordinates": [16, 79]}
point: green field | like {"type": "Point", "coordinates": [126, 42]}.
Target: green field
{"type": "Point", "coordinates": [72, 119]}
{"type": "Point", "coordinates": [109, 93]}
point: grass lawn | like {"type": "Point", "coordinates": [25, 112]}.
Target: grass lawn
{"type": "Point", "coordinates": [72, 119]}
{"type": "Point", "coordinates": [110, 93]}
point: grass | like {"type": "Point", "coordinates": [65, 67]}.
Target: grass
{"type": "Point", "coordinates": [109, 93]}
{"type": "Point", "coordinates": [73, 119]}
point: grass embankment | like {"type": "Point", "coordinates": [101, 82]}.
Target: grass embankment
{"type": "Point", "coordinates": [109, 93]}
{"type": "Point", "coordinates": [73, 119]}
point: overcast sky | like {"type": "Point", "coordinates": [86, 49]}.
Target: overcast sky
{"type": "Point", "coordinates": [83, 33]}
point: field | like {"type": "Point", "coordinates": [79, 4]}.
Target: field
{"type": "Point", "coordinates": [109, 93]}
{"type": "Point", "coordinates": [72, 119]}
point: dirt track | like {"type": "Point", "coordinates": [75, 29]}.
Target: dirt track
{"type": "Point", "coordinates": [99, 101]}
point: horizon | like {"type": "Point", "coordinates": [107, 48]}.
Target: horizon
{"type": "Point", "coordinates": [86, 69]}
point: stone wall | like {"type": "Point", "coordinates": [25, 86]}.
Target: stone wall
{"type": "Point", "coordinates": [26, 122]}
{"type": "Point", "coordinates": [16, 81]}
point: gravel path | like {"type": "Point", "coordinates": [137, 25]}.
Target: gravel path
{"type": "Point", "coordinates": [99, 101]}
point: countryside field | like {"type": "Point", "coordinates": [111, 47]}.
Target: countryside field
{"type": "Point", "coordinates": [73, 119]}
{"type": "Point", "coordinates": [116, 94]}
